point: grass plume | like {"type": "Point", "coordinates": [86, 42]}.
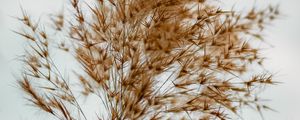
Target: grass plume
{"type": "Point", "coordinates": [149, 59]}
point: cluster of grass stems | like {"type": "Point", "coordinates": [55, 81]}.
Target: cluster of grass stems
{"type": "Point", "coordinates": [148, 60]}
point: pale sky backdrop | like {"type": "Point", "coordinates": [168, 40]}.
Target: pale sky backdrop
{"type": "Point", "coordinates": [284, 58]}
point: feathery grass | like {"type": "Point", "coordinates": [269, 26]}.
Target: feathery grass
{"type": "Point", "coordinates": [149, 59]}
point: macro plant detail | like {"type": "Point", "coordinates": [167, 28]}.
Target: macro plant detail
{"type": "Point", "coordinates": [147, 60]}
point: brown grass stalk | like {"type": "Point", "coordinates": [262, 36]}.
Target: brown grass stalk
{"type": "Point", "coordinates": [148, 59]}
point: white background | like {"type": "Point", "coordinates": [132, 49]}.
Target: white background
{"type": "Point", "coordinates": [284, 58]}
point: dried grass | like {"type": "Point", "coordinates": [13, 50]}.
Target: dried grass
{"type": "Point", "coordinates": [150, 59]}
